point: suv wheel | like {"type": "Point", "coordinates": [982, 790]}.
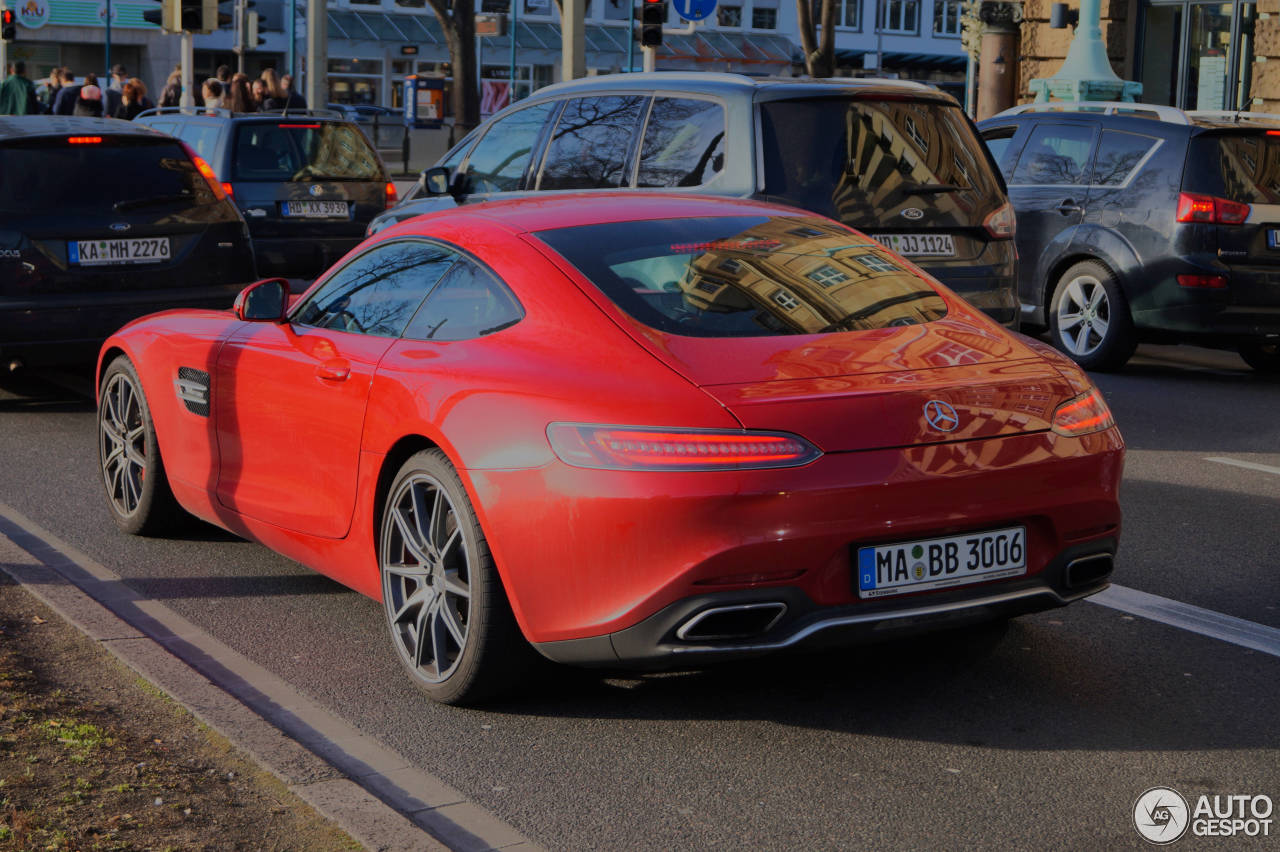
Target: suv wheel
{"type": "Point", "coordinates": [1263, 357]}
{"type": "Point", "coordinates": [1089, 318]}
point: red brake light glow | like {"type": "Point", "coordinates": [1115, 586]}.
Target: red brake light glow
{"type": "Point", "coordinates": [304, 126]}
{"type": "Point", "coordinates": [84, 140]}
{"type": "Point", "coordinates": [391, 193]}
{"type": "Point", "coordinates": [641, 448]}
{"type": "Point", "coordinates": [1083, 414]}
{"type": "Point", "coordinates": [1193, 207]}
{"type": "Point", "coordinates": [226, 187]}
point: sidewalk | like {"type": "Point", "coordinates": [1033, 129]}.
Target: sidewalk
{"type": "Point", "coordinates": [369, 791]}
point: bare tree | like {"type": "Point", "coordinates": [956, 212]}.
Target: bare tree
{"type": "Point", "coordinates": [819, 55]}
{"type": "Point", "coordinates": [458, 20]}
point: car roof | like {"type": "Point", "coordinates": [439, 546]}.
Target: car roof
{"type": "Point", "coordinates": [34, 126]}
{"type": "Point", "coordinates": [574, 209]}
{"type": "Point", "coordinates": [1124, 113]}
{"type": "Point", "coordinates": [764, 88]}
{"type": "Point", "coordinates": [330, 115]}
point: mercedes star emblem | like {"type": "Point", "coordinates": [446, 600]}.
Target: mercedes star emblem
{"type": "Point", "coordinates": [941, 415]}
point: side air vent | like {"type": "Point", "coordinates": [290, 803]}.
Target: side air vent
{"type": "Point", "coordinates": [192, 386]}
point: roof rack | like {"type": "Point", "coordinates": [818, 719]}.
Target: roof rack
{"type": "Point", "coordinates": [1170, 114]}
{"type": "Point", "coordinates": [1234, 115]}
{"type": "Point", "coordinates": [185, 110]}
{"type": "Point", "coordinates": [223, 112]}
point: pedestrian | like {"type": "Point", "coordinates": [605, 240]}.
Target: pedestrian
{"type": "Point", "coordinates": [223, 74]}
{"type": "Point", "coordinates": [171, 96]}
{"type": "Point", "coordinates": [146, 101]}
{"type": "Point", "coordinates": [240, 98]}
{"type": "Point", "coordinates": [118, 77]}
{"type": "Point", "coordinates": [212, 94]}
{"type": "Point", "coordinates": [276, 98]}
{"type": "Point", "coordinates": [89, 103]}
{"type": "Point", "coordinates": [17, 93]}
{"type": "Point", "coordinates": [132, 100]}
{"type": "Point", "coordinates": [65, 102]}
{"type": "Point", "coordinates": [295, 100]}
{"type": "Point", "coordinates": [51, 91]}
{"type": "Point", "coordinates": [258, 90]}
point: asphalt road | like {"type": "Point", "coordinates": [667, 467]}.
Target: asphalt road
{"type": "Point", "coordinates": [1041, 738]}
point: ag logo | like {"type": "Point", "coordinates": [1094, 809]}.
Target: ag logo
{"type": "Point", "coordinates": [1161, 815]}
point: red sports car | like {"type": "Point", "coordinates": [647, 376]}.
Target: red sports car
{"type": "Point", "coordinates": [623, 430]}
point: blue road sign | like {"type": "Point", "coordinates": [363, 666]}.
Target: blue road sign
{"type": "Point", "coordinates": [694, 10]}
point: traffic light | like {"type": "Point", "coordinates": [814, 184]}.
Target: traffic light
{"type": "Point", "coordinates": [653, 15]}
{"type": "Point", "coordinates": [8, 26]}
{"type": "Point", "coordinates": [166, 17]}
{"type": "Point", "coordinates": [251, 38]}
{"type": "Point", "coordinates": [199, 16]}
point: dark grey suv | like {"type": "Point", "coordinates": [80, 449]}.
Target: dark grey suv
{"type": "Point", "coordinates": [899, 161]}
{"type": "Point", "coordinates": [1139, 222]}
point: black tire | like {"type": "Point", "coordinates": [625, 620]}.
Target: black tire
{"type": "Point", "coordinates": [138, 492]}
{"type": "Point", "coordinates": [1263, 357]}
{"type": "Point", "coordinates": [430, 550]}
{"type": "Point", "coordinates": [1089, 318]}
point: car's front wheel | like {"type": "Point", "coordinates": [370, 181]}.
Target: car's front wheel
{"type": "Point", "coordinates": [1263, 357]}
{"type": "Point", "coordinates": [450, 622]}
{"type": "Point", "coordinates": [129, 455]}
{"type": "Point", "coordinates": [1089, 319]}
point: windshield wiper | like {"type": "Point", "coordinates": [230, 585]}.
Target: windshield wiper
{"type": "Point", "coordinates": [154, 199]}
{"type": "Point", "coordinates": [930, 188]}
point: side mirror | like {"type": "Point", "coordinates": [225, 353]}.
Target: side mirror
{"type": "Point", "coordinates": [263, 301]}
{"type": "Point", "coordinates": [436, 181]}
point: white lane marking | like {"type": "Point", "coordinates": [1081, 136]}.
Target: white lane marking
{"type": "Point", "coordinates": [1265, 468]}
{"type": "Point", "coordinates": [1206, 622]}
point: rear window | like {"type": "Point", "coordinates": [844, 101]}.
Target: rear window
{"type": "Point", "coordinates": [747, 276]}
{"type": "Point", "coordinates": [863, 161]}
{"type": "Point", "coordinates": [1239, 166]}
{"type": "Point", "coordinates": [303, 150]}
{"type": "Point", "coordinates": [110, 175]}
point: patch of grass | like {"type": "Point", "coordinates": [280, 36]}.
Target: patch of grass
{"type": "Point", "coordinates": [81, 735]}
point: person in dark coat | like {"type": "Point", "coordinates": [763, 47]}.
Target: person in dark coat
{"type": "Point", "coordinates": [172, 94]}
{"type": "Point", "coordinates": [18, 94]}
{"type": "Point", "coordinates": [132, 100]}
{"type": "Point", "coordinates": [65, 102]}
{"type": "Point", "coordinates": [294, 99]}
{"type": "Point", "coordinates": [90, 101]}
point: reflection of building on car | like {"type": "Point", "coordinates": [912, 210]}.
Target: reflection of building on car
{"type": "Point", "coordinates": [102, 221]}
{"type": "Point", "coordinates": [308, 182]}
{"type": "Point", "coordinates": [540, 432]}
{"type": "Point", "coordinates": [1140, 222]}
{"type": "Point", "coordinates": [898, 161]}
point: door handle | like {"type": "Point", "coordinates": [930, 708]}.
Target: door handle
{"type": "Point", "coordinates": [1069, 206]}
{"type": "Point", "coordinates": [336, 370]}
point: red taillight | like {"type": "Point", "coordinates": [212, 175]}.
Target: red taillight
{"type": "Point", "coordinates": [1193, 207]}
{"type": "Point", "coordinates": [205, 171]}
{"type": "Point", "coordinates": [226, 187]}
{"type": "Point", "coordinates": [1001, 223]}
{"type": "Point", "coordinates": [1203, 282]}
{"type": "Point", "coordinates": [302, 126]}
{"type": "Point", "coordinates": [1083, 414]}
{"type": "Point", "coordinates": [84, 140]}
{"type": "Point", "coordinates": [391, 193]}
{"type": "Point", "coordinates": [640, 448]}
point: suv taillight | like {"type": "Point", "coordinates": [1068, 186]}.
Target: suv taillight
{"type": "Point", "coordinates": [1209, 210]}
{"type": "Point", "coordinates": [206, 172]}
{"type": "Point", "coordinates": [1001, 223]}
{"type": "Point", "coordinates": [391, 194]}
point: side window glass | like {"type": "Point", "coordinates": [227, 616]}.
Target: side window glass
{"type": "Point", "coordinates": [1118, 155]}
{"type": "Point", "coordinates": [469, 302]}
{"type": "Point", "coordinates": [498, 162]}
{"type": "Point", "coordinates": [592, 143]}
{"type": "Point", "coordinates": [683, 143]}
{"type": "Point", "coordinates": [998, 141]}
{"type": "Point", "coordinates": [377, 292]}
{"type": "Point", "coordinates": [1056, 154]}
{"type": "Point", "coordinates": [203, 138]}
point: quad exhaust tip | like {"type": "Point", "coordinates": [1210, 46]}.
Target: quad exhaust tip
{"type": "Point", "coordinates": [740, 621]}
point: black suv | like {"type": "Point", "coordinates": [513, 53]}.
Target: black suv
{"type": "Point", "coordinates": [1140, 222]}
{"type": "Point", "coordinates": [307, 181]}
{"type": "Point", "coordinates": [102, 221]}
{"type": "Point", "coordinates": [899, 161]}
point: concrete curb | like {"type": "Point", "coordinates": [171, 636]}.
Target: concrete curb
{"type": "Point", "coordinates": [370, 791]}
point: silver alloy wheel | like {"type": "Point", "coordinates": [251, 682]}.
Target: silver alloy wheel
{"type": "Point", "coordinates": [1084, 315]}
{"type": "Point", "coordinates": [426, 577]}
{"type": "Point", "coordinates": [122, 444]}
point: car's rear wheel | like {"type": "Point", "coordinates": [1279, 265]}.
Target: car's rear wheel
{"type": "Point", "coordinates": [1089, 319]}
{"type": "Point", "coordinates": [1263, 357]}
{"type": "Point", "coordinates": [129, 456]}
{"type": "Point", "coordinates": [450, 622]}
